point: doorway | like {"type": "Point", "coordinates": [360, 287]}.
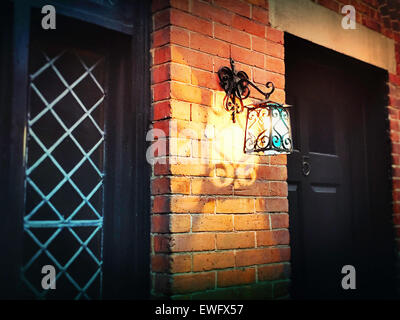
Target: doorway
{"type": "Point", "coordinates": [338, 175]}
{"type": "Point", "coordinates": [76, 192]}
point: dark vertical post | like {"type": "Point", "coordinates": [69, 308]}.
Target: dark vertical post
{"type": "Point", "coordinates": [142, 100]}
{"type": "Point", "coordinates": [11, 214]}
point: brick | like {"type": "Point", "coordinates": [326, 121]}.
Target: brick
{"type": "Point", "coordinates": [271, 205]}
{"type": "Point", "coordinates": [248, 171]}
{"type": "Point", "coordinates": [161, 243]}
{"type": "Point", "coordinates": [278, 159]}
{"type": "Point", "coordinates": [192, 242]}
{"type": "Point", "coordinates": [160, 223]}
{"type": "Point", "coordinates": [180, 263]}
{"type": "Point", "coordinates": [161, 55]}
{"type": "Point", "coordinates": [160, 204]}
{"type": "Point", "coordinates": [180, 4]}
{"type": "Point", "coordinates": [360, 7]}
{"type": "Point", "coordinates": [275, 35]}
{"type": "Point", "coordinates": [209, 45]}
{"type": "Point", "coordinates": [261, 76]}
{"type": "Point", "coordinates": [273, 272]}
{"type": "Point", "coordinates": [228, 34]}
{"type": "Point", "coordinates": [247, 56]}
{"type": "Point", "coordinates": [244, 67]}
{"type": "Point", "coordinates": [191, 22]}
{"type": "Point", "coordinates": [259, 44]}
{"type": "Point", "coordinates": [193, 130]}
{"type": "Point", "coordinates": [255, 291]}
{"type": "Point", "coordinates": [219, 62]}
{"type": "Point", "coordinates": [251, 188]}
{"type": "Point", "coordinates": [205, 79]}
{"type": "Point", "coordinates": [157, 5]}
{"type": "Point", "coordinates": [159, 263]}
{"type": "Point", "coordinates": [260, 15]}
{"type": "Point", "coordinates": [180, 147]}
{"type": "Point", "coordinates": [279, 96]}
{"type": "Point", "coordinates": [202, 170]}
{"type": "Point", "coordinates": [192, 204]}
{"type": "Point", "coordinates": [275, 65]}
{"type": "Point", "coordinates": [170, 35]}
{"type": "Point", "coordinates": [212, 186]}
{"type": "Point", "coordinates": [161, 130]}
{"type": "Point", "coordinates": [272, 238]}
{"type": "Point", "coordinates": [171, 71]}
{"type": "Point", "coordinates": [253, 257]}
{"type": "Point", "coordinates": [211, 12]}
{"type": "Point", "coordinates": [177, 128]}
{"type": "Point", "coordinates": [271, 173]}
{"type": "Point", "coordinates": [251, 222]}
{"type": "Point", "coordinates": [161, 19]}
{"type": "Point", "coordinates": [395, 161]}
{"type": "Point", "coordinates": [200, 114]}
{"type": "Point", "coordinates": [393, 113]}
{"type": "Point", "coordinates": [372, 24]}
{"type": "Point", "coordinates": [213, 260]}
{"type": "Point", "coordinates": [192, 58]}
{"type": "Point", "coordinates": [160, 74]}
{"type": "Point", "coordinates": [159, 147]}
{"type": "Point", "coordinates": [212, 222]}
{"type": "Point", "coordinates": [279, 221]}
{"type": "Point", "coordinates": [161, 91]}
{"type": "Point", "coordinates": [179, 223]}
{"type": "Point", "coordinates": [262, 256]}
{"type": "Point", "coordinates": [260, 3]}
{"type": "Point", "coordinates": [201, 148]}
{"type": "Point", "coordinates": [394, 79]}
{"type": "Point", "coordinates": [229, 278]}
{"type": "Point", "coordinates": [193, 282]}
{"type": "Point", "coordinates": [160, 186]}
{"type": "Point", "coordinates": [160, 169]}
{"type": "Point", "coordinates": [249, 26]}
{"type": "Point", "coordinates": [236, 6]}
{"type": "Point", "coordinates": [191, 93]}
{"type": "Point", "coordinates": [267, 47]}
{"type": "Point", "coordinates": [278, 189]}
{"type": "Point", "coordinates": [179, 185]}
{"type": "Point", "coordinates": [235, 205]}
{"type": "Point", "coordinates": [396, 183]}
{"type": "Point", "coordinates": [235, 240]}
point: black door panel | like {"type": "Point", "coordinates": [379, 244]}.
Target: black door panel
{"type": "Point", "coordinates": [339, 190]}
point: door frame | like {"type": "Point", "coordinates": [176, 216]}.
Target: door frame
{"type": "Point", "coordinates": [132, 172]}
{"type": "Point", "coordinates": [379, 96]}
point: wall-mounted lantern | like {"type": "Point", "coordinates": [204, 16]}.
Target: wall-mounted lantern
{"type": "Point", "coordinates": [267, 123]}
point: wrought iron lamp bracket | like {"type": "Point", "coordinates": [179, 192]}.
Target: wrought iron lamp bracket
{"type": "Point", "coordinates": [267, 122]}
{"type": "Point", "coordinates": [236, 86]}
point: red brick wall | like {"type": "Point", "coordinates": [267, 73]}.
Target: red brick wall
{"type": "Point", "coordinates": [383, 16]}
{"type": "Point", "coordinates": [219, 219]}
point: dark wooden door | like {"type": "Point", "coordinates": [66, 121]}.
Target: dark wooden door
{"type": "Point", "coordinates": [338, 175]}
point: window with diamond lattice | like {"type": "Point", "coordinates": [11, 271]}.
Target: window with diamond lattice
{"type": "Point", "coordinates": [63, 220]}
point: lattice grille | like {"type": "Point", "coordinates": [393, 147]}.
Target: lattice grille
{"type": "Point", "coordinates": [64, 174]}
